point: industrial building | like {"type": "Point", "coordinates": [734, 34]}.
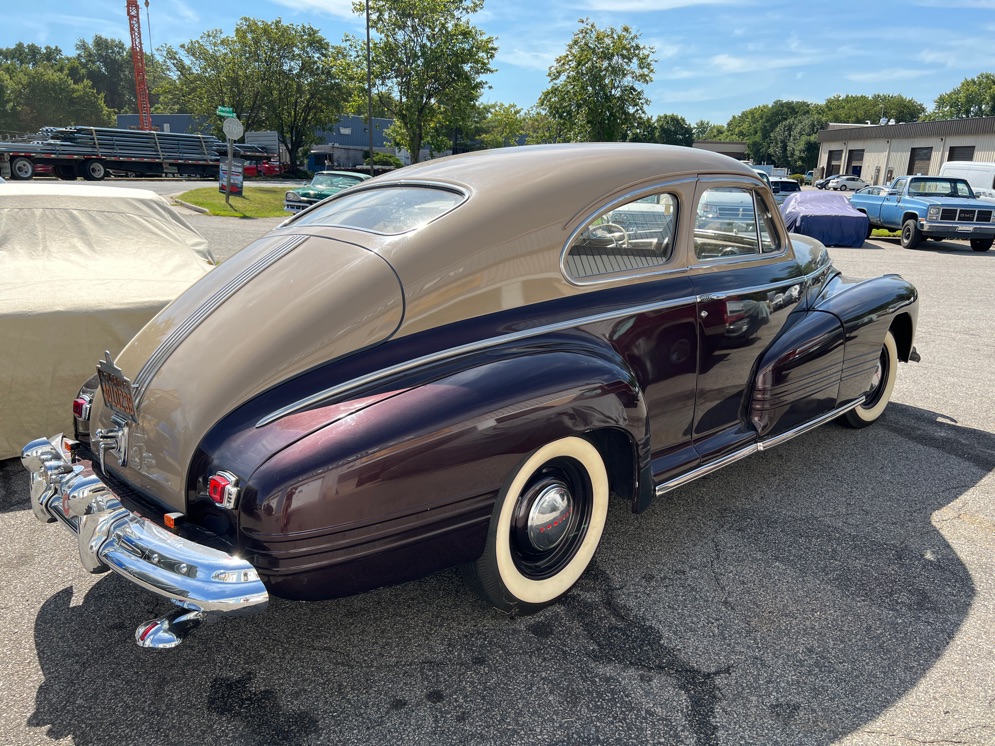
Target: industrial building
{"type": "Point", "coordinates": [880, 153]}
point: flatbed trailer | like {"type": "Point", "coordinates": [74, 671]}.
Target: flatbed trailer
{"type": "Point", "coordinates": [91, 152]}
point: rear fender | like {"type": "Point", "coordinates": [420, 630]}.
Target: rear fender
{"type": "Point", "coordinates": [426, 463]}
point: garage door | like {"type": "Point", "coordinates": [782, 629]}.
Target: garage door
{"type": "Point", "coordinates": [919, 160]}
{"type": "Point", "coordinates": [961, 153]}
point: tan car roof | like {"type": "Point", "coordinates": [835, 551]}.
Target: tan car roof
{"type": "Point", "coordinates": [501, 248]}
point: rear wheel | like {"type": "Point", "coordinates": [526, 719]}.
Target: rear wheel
{"type": "Point", "coordinates": [981, 244]}
{"type": "Point", "coordinates": [842, 187]}
{"type": "Point", "coordinates": [93, 170]}
{"type": "Point", "coordinates": [545, 528]}
{"type": "Point", "coordinates": [879, 394]}
{"type": "Point", "coordinates": [911, 235]}
{"type": "Point", "coordinates": [21, 169]}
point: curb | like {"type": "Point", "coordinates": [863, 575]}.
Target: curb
{"type": "Point", "coordinates": [195, 208]}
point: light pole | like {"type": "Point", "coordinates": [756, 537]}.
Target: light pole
{"type": "Point", "coordinates": [369, 87]}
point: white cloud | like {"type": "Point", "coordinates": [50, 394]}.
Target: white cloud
{"type": "Point", "coordinates": [886, 74]}
{"type": "Point", "coordinates": [727, 63]}
{"type": "Point", "coordinates": [338, 8]}
{"type": "Point", "coordinates": [649, 6]}
{"type": "Point", "coordinates": [527, 59]}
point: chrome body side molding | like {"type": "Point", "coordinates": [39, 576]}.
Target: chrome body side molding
{"type": "Point", "coordinates": [763, 445]}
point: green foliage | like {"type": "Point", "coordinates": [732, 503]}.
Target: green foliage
{"type": "Point", "coordinates": [800, 178]}
{"type": "Point", "coordinates": [30, 55]}
{"type": "Point", "coordinates": [794, 143]}
{"type": "Point", "coordinates": [384, 159]}
{"type": "Point", "coordinates": [45, 95]}
{"type": "Point", "coordinates": [859, 109]}
{"type": "Point", "coordinates": [502, 126]}
{"type": "Point", "coordinates": [596, 87]}
{"type": "Point", "coordinates": [106, 63]}
{"type": "Point", "coordinates": [429, 63]}
{"type": "Point", "coordinates": [275, 75]}
{"type": "Point", "coordinates": [974, 97]}
{"type": "Point", "coordinates": [668, 129]}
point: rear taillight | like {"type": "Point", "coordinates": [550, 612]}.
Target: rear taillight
{"type": "Point", "coordinates": [222, 488]}
{"type": "Point", "coordinates": [81, 407]}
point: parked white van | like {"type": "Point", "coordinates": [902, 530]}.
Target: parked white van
{"type": "Point", "coordinates": [981, 176]}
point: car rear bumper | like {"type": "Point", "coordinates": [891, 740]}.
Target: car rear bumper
{"type": "Point", "coordinates": [204, 581]}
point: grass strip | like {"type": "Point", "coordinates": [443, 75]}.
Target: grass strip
{"type": "Point", "coordinates": [256, 202]}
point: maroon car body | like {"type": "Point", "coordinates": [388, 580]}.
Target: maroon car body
{"type": "Point", "coordinates": [457, 364]}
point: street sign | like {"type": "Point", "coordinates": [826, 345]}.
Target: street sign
{"type": "Point", "coordinates": [234, 185]}
{"type": "Point", "coordinates": [226, 111]}
{"type": "Point", "coordinates": [233, 128]}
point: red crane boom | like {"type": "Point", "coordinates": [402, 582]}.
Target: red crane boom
{"type": "Point", "coordinates": [138, 62]}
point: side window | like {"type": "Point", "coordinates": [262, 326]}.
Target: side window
{"type": "Point", "coordinates": [900, 185]}
{"type": "Point", "coordinates": [726, 224]}
{"type": "Point", "coordinates": [631, 237]}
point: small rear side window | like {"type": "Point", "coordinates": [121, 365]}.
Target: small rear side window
{"type": "Point", "coordinates": [388, 210]}
{"type": "Point", "coordinates": [631, 238]}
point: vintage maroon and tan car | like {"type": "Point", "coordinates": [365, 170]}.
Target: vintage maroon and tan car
{"type": "Point", "coordinates": [459, 364]}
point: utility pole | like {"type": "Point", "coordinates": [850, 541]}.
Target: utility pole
{"type": "Point", "coordinates": [369, 87]}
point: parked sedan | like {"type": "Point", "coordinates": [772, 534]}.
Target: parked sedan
{"type": "Point", "coordinates": [872, 190]}
{"type": "Point", "coordinates": [824, 182]}
{"type": "Point", "coordinates": [323, 184]}
{"type": "Point", "coordinates": [845, 183]}
{"type": "Point", "coordinates": [461, 364]}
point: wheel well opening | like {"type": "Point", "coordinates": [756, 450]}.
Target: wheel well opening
{"type": "Point", "coordinates": [901, 329]}
{"type": "Point", "coordinates": [619, 453]}
{"type": "Point", "coordinates": [910, 216]}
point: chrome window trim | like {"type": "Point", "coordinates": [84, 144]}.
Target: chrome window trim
{"type": "Point", "coordinates": [168, 346]}
{"type": "Point", "coordinates": [783, 236]}
{"type": "Point", "coordinates": [630, 196]}
{"type": "Point", "coordinates": [451, 352]}
{"type": "Point", "coordinates": [365, 186]}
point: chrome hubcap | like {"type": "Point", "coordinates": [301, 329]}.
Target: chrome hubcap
{"type": "Point", "coordinates": [548, 518]}
{"type": "Point", "coordinates": [876, 378]}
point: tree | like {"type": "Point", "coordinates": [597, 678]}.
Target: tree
{"type": "Point", "coordinates": [860, 109]}
{"type": "Point", "coordinates": [701, 128]}
{"type": "Point", "coordinates": [106, 63]}
{"type": "Point", "coordinates": [502, 126]}
{"type": "Point", "coordinates": [596, 85]}
{"type": "Point", "coordinates": [30, 55]}
{"type": "Point", "coordinates": [213, 70]}
{"type": "Point", "coordinates": [794, 143]}
{"type": "Point", "coordinates": [974, 97]}
{"type": "Point", "coordinates": [45, 95]}
{"type": "Point", "coordinates": [303, 81]}
{"type": "Point", "coordinates": [427, 59]}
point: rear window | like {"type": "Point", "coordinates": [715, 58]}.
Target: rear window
{"type": "Point", "coordinates": [388, 210]}
{"type": "Point", "coordinates": [789, 185]}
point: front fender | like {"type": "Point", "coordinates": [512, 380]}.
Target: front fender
{"type": "Point", "coordinates": [868, 309]}
{"type": "Point", "coordinates": [413, 477]}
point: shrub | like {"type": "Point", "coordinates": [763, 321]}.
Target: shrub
{"type": "Point", "coordinates": [800, 178]}
{"type": "Point", "coordinates": [384, 159]}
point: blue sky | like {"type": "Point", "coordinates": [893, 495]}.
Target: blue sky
{"type": "Point", "coordinates": [714, 58]}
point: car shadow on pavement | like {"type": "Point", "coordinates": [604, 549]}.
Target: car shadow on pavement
{"type": "Point", "coordinates": [791, 598]}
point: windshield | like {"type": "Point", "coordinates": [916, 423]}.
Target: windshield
{"type": "Point", "coordinates": [938, 187]}
{"type": "Point", "coordinates": [339, 181]}
{"type": "Point", "coordinates": [388, 210]}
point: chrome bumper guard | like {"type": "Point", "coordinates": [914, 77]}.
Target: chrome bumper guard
{"type": "Point", "coordinates": [206, 583]}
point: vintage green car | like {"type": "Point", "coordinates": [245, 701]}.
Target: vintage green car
{"type": "Point", "coordinates": [324, 184]}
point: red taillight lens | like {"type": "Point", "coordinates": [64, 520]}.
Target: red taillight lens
{"type": "Point", "coordinates": [217, 486]}
{"type": "Point", "coordinates": [81, 408]}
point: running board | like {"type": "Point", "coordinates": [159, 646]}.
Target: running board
{"type": "Point", "coordinates": [763, 445]}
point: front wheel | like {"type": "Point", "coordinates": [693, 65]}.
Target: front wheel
{"type": "Point", "coordinates": [911, 235]}
{"type": "Point", "coordinates": [981, 244]}
{"type": "Point", "coordinates": [879, 393]}
{"type": "Point", "coordinates": [547, 524]}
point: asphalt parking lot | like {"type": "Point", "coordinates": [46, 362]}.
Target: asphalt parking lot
{"type": "Point", "coordinates": [837, 589]}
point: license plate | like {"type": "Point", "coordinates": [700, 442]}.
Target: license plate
{"type": "Point", "coordinates": [117, 393]}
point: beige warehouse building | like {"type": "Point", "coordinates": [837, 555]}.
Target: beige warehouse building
{"type": "Point", "coordinates": [880, 153]}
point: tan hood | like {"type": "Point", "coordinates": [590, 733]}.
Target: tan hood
{"type": "Point", "coordinates": [258, 319]}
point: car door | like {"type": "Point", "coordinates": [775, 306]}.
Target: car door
{"type": "Point", "coordinates": [747, 284]}
{"type": "Point", "coordinates": [891, 204]}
